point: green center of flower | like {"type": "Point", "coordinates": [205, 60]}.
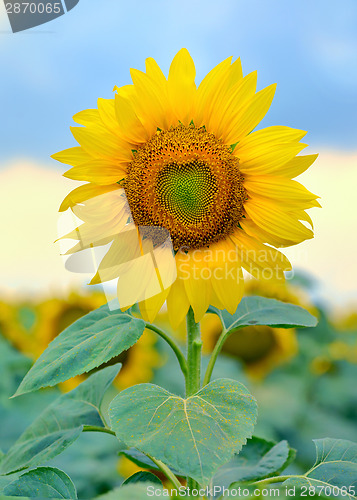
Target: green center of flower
{"type": "Point", "coordinates": [188, 182]}
{"type": "Point", "coordinates": [186, 190]}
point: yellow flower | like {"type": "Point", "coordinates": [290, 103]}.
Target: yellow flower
{"type": "Point", "coordinates": [51, 316]}
{"type": "Point", "coordinates": [55, 314]}
{"type": "Point", "coordinates": [127, 468]}
{"type": "Point", "coordinates": [344, 347]}
{"type": "Point", "coordinates": [138, 362]}
{"type": "Point", "coordinates": [164, 153]}
{"type": "Point", "coordinates": [259, 348]}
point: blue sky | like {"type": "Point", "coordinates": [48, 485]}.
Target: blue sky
{"type": "Point", "coordinates": [308, 47]}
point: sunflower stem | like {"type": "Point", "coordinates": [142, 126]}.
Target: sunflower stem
{"type": "Point", "coordinates": [180, 357]}
{"type": "Point", "coordinates": [217, 349]}
{"type": "Point", "coordinates": [96, 428]}
{"type": "Point", "coordinates": [194, 347]}
{"type": "Point", "coordinates": [193, 377]}
{"type": "Point", "coordinates": [168, 472]}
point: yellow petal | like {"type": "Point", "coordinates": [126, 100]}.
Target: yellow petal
{"type": "Point", "coordinates": [85, 192]}
{"type": "Point", "coordinates": [129, 124]}
{"type": "Point", "coordinates": [123, 251]}
{"type": "Point", "coordinates": [90, 234]}
{"type": "Point", "coordinates": [278, 188]}
{"type": "Point", "coordinates": [229, 105]}
{"type": "Point", "coordinates": [196, 275]}
{"type": "Point", "coordinates": [228, 284]}
{"type": "Point", "coordinates": [88, 117]}
{"type": "Point", "coordinates": [209, 90]}
{"type": "Point", "coordinates": [137, 281]}
{"type": "Point", "coordinates": [252, 229]}
{"type": "Point", "coordinates": [181, 86]}
{"type": "Point", "coordinates": [177, 303]}
{"type": "Point", "coordinates": [106, 108]}
{"type": "Point", "coordinates": [154, 72]}
{"type": "Point", "coordinates": [97, 171]}
{"type": "Point", "coordinates": [151, 306]}
{"type": "Point", "coordinates": [261, 261]}
{"type": "Point", "coordinates": [215, 301]}
{"type": "Point", "coordinates": [297, 165]}
{"type": "Point", "coordinates": [72, 156]}
{"type": "Point", "coordinates": [267, 150]}
{"type": "Point", "coordinates": [149, 102]}
{"type": "Point", "coordinates": [274, 220]}
{"type": "Point", "coordinates": [302, 215]}
{"type": "Point", "coordinates": [103, 208]}
{"type": "Point", "coordinates": [101, 143]}
{"type": "Point", "coordinates": [235, 72]}
{"type": "Point", "coordinates": [251, 114]}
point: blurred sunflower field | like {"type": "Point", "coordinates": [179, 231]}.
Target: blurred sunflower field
{"type": "Point", "coordinates": [300, 371]}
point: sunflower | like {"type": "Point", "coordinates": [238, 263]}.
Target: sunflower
{"type": "Point", "coordinates": [260, 348]}
{"type": "Point", "coordinates": [30, 327]}
{"type": "Point", "coordinates": [184, 191]}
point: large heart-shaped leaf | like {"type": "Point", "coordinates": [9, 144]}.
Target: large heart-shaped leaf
{"type": "Point", "coordinates": [196, 435]}
{"type": "Point", "coordinates": [334, 472]}
{"type": "Point", "coordinates": [43, 482]}
{"type": "Point", "coordinates": [262, 311]}
{"type": "Point", "coordinates": [60, 424]}
{"type": "Point", "coordinates": [89, 342]}
{"type": "Point", "coordinates": [257, 460]}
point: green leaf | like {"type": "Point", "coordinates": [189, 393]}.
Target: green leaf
{"type": "Point", "coordinates": [262, 311]}
{"type": "Point", "coordinates": [139, 491]}
{"type": "Point", "coordinates": [257, 460]}
{"type": "Point", "coordinates": [335, 468]}
{"type": "Point", "coordinates": [196, 435]}
{"type": "Point", "coordinates": [60, 424]}
{"type": "Point", "coordinates": [43, 482]}
{"type": "Point", "coordinates": [88, 343]}
{"type": "Point", "coordinates": [142, 477]}
{"type": "Point", "coordinates": [6, 480]}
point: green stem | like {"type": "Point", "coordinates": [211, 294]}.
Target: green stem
{"type": "Point", "coordinates": [214, 355]}
{"type": "Point", "coordinates": [168, 472]}
{"type": "Point", "coordinates": [180, 357]}
{"type": "Point", "coordinates": [193, 377]}
{"type": "Point", "coordinates": [194, 347]}
{"type": "Point", "coordinates": [96, 428]}
{"type": "Point", "coordinates": [274, 479]}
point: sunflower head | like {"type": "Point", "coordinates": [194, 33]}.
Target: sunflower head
{"type": "Point", "coordinates": [166, 153]}
{"type": "Point", "coordinates": [187, 181]}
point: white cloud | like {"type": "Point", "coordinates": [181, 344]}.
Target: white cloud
{"type": "Point", "coordinates": [29, 259]}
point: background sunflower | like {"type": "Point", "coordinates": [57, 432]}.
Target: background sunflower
{"type": "Point", "coordinates": [31, 326]}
